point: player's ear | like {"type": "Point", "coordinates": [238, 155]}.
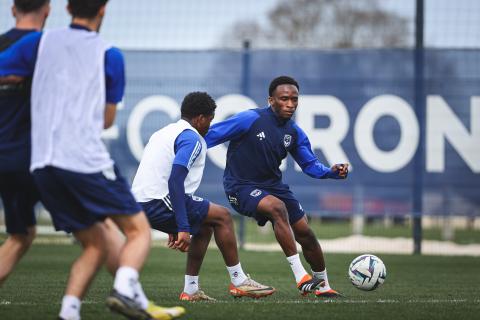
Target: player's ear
{"type": "Point", "coordinates": [101, 12]}
{"type": "Point", "coordinates": [14, 11]}
{"type": "Point", "coordinates": [47, 12]}
{"type": "Point", "coordinates": [270, 100]}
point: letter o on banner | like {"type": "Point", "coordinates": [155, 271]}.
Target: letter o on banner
{"type": "Point", "coordinates": [401, 155]}
{"type": "Point", "coordinates": [138, 114]}
{"type": "Point", "coordinates": [227, 106]}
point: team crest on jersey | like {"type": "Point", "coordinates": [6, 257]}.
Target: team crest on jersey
{"type": "Point", "coordinates": [255, 193]}
{"type": "Point", "coordinates": [287, 140]}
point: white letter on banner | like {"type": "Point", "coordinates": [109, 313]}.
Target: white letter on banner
{"type": "Point", "coordinates": [139, 112]}
{"type": "Point", "coordinates": [375, 158]}
{"type": "Point", "coordinates": [326, 139]}
{"type": "Point", "coordinates": [443, 124]}
{"type": "Point", "coordinates": [227, 106]}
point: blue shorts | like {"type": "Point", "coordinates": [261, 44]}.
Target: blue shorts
{"type": "Point", "coordinates": [76, 201]}
{"type": "Point", "coordinates": [244, 198]}
{"type": "Point", "coordinates": [19, 195]}
{"type": "Point", "coordinates": [162, 218]}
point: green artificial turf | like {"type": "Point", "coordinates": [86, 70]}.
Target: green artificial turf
{"type": "Point", "coordinates": [417, 287]}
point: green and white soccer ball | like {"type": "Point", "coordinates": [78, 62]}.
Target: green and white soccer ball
{"type": "Point", "coordinates": [367, 272]}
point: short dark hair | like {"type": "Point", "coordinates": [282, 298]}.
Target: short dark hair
{"type": "Point", "coordinates": [85, 8]}
{"type": "Point", "coordinates": [278, 81]}
{"type": "Point", "coordinates": [27, 6]}
{"type": "Point", "coordinates": [197, 103]}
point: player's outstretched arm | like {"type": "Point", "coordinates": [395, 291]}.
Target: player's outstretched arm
{"type": "Point", "coordinates": [308, 161]}
{"type": "Point", "coordinates": [231, 128]}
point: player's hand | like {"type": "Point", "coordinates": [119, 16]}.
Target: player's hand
{"type": "Point", "coordinates": [341, 170]}
{"type": "Point", "coordinates": [183, 241]}
{"type": "Point", "coordinates": [172, 237]}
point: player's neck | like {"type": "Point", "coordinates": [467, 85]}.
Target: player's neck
{"type": "Point", "coordinates": [29, 22]}
{"type": "Point", "coordinates": [92, 24]}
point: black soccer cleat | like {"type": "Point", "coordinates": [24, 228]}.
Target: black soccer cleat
{"type": "Point", "coordinates": [123, 305]}
{"type": "Point", "coordinates": [308, 284]}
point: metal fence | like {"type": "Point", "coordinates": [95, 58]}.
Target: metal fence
{"type": "Point", "coordinates": [405, 113]}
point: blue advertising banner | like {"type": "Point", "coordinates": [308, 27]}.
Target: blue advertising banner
{"type": "Point", "coordinates": [356, 106]}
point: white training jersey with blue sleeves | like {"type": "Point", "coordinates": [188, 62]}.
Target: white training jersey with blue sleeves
{"type": "Point", "coordinates": [68, 102]}
{"type": "Point", "coordinates": [151, 179]}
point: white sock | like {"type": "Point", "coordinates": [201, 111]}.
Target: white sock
{"type": "Point", "coordinates": [140, 296]}
{"type": "Point", "coordinates": [236, 274]}
{"type": "Point", "coordinates": [191, 284]}
{"type": "Point", "coordinates": [322, 275]}
{"type": "Point", "coordinates": [125, 282]}
{"type": "Point", "coordinates": [70, 308]}
{"type": "Point", "coordinates": [298, 270]}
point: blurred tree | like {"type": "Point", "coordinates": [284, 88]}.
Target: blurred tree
{"type": "Point", "coordinates": [323, 24]}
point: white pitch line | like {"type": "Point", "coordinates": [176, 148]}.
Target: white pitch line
{"type": "Point", "coordinates": [329, 301]}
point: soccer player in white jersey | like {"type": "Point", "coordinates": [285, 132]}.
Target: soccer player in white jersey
{"type": "Point", "coordinates": [78, 81]}
{"type": "Point", "coordinates": [168, 176]}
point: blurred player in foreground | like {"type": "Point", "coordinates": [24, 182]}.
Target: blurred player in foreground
{"type": "Point", "coordinates": [168, 176]}
{"type": "Point", "coordinates": [259, 140]}
{"type": "Point", "coordinates": [77, 83]}
{"type": "Point", "coordinates": [17, 188]}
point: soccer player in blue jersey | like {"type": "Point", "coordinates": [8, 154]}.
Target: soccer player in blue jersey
{"type": "Point", "coordinates": [78, 81]}
{"type": "Point", "coordinates": [168, 176]}
{"type": "Point", "coordinates": [259, 140]}
{"type": "Point", "coordinates": [17, 188]}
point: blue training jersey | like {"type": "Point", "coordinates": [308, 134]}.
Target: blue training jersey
{"type": "Point", "coordinates": [14, 114]}
{"type": "Point", "coordinates": [259, 141]}
{"type": "Point", "coordinates": [19, 59]}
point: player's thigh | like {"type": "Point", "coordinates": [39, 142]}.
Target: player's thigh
{"type": "Point", "coordinates": [217, 214]}
{"type": "Point", "coordinates": [292, 205]}
{"type": "Point", "coordinates": [245, 199]}
{"type": "Point", "coordinates": [130, 223]}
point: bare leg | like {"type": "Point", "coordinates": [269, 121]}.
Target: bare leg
{"type": "Point", "coordinates": [86, 265]}
{"type": "Point", "coordinates": [137, 230]}
{"type": "Point", "coordinates": [13, 250]}
{"type": "Point", "coordinates": [275, 210]}
{"type": "Point", "coordinates": [220, 220]}
{"type": "Point", "coordinates": [310, 246]}
{"type": "Point", "coordinates": [197, 250]}
{"type": "Point", "coordinates": [114, 241]}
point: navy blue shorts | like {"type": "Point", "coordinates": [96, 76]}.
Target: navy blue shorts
{"type": "Point", "coordinates": [245, 198]}
{"type": "Point", "coordinates": [162, 218]}
{"type": "Point", "coordinates": [19, 196]}
{"type": "Point", "coordinates": [76, 201]}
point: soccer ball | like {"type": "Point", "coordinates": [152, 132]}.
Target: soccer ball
{"type": "Point", "coordinates": [367, 272]}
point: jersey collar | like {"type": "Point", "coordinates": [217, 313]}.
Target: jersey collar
{"type": "Point", "coordinates": [79, 27]}
{"type": "Point", "coordinates": [280, 121]}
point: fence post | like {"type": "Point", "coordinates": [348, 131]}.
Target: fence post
{"type": "Point", "coordinates": [419, 160]}
{"type": "Point", "coordinates": [246, 92]}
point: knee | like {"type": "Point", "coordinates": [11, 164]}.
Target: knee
{"type": "Point", "coordinates": [223, 218]}
{"type": "Point", "coordinates": [137, 227]}
{"type": "Point", "coordinates": [24, 241]}
{"type": "Point", "coordinates": [305, 236]}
